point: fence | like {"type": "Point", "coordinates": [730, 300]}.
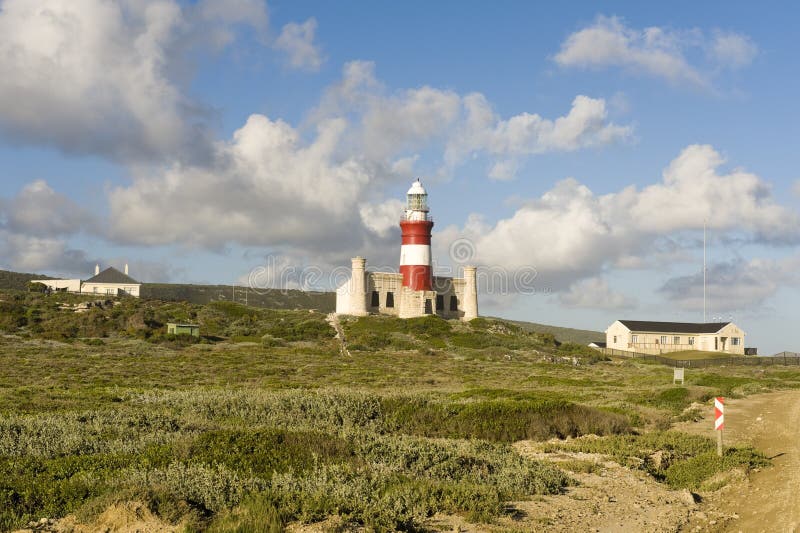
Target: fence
{"type": "Point", "coordinates": [783, 358]}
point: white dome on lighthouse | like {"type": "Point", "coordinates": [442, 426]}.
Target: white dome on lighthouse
{"type": "Point", "coordinates": [417, 188]}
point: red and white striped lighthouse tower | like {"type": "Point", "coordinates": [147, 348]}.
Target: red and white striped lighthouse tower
{"type": "Point", "coordinates": [415, 253]}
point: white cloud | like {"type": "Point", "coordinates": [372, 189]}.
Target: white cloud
{"type": "Point", "coordinates": [297, 41]}
{"type": "Point", "coordinates": [25, 253]}
{"type": "Point", "coordinates": [732, 50]}
{"type": "Point", "coordinates": [265, 187]}
{"type": "Point", "coordinates": [37, 210]}
{"type": "Point", "coordinates": [270, 186]}
{"type": "Point", "coordinates": [98, 77]}
{"type": "Point", "coordinates": [654, 51]}
{"type": "Point", "coordinates": [585, 125]}
{"type": "Point", "coordinates": [570, 233]}
{"type": "Point", "coordinates": [734, 286]}
{"type": "Point", "coordinates": [594, 293]}
{"type": "Point", "coordinates": [383, 217]}
{"type": "Point", "coordinates": [389, 125]}
{"type": "Point", "coordinates": [504, 170]}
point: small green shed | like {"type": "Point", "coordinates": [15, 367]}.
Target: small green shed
{"type": "Point", "coordinates": [175, 328]}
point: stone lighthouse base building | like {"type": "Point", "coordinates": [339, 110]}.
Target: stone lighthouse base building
{"type": "Point", "coordinates": [383, 293]}
{"type": "Point", "coordinates": [414, 291]}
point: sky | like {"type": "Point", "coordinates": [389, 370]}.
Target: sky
{"type": "Point", "coordinates": [574, 151]}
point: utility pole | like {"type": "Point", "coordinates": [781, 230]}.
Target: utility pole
{"type": "Point", "coordinates": [704, 270]}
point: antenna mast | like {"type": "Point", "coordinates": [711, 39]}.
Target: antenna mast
{"type": "Point", "coordinates": [704, 270]}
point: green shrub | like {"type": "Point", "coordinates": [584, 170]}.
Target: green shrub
{"type": "Point", "coordinates": [499, 420]}
{"type": "Point", "coordinates": [686, 460]}
{"type": "Point", "coordinates": [265, 451]}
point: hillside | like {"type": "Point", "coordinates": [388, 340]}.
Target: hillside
{"type": "Point", "coordinates": [420, 424]}
{"type": "Point", "coordinates": [201, 294]}
{"type": "Point", "coordinates": [324, 302]}
{"type": "Point", "coordinates": [17, 280]}
{"type": "Point", "coordinates": [578, 336]}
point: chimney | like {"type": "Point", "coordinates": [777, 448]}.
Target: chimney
{"type": "Point", "coordinates": [126, 269]}
{"type": "Point", "coordinates": [96, 269]}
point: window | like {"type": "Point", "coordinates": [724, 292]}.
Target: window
{"type": "Point", "coordinates": [428, 306]}
{"type": "Point", "coordinates": [109, 291]}
{"type": "Point", "coordinates": [389, 299]}
{"type": "Point", "coordinates": [676, 340]}
{"type": "Point", "coordinates": [94, 289]}
{"type": "Point", "coordinates": [663, 339]}
{"type": "Point", "coordinates": [691, 341]}
{"type": "Point", "coordinates": [735, 341]}
{"type": "Point", "coordinates": [454, 303]}
{"type": "Point", "coordinates": [376, 299]}
{"type": "Point", "coordinates": [615, 339]}
{"type": "Point", "coordinates": [440, 302]}
{"type": "Point", "coordinates": [634, 339]}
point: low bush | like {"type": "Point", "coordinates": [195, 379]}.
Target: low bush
{"type": "Point", "coordinates": [685, 461]}
{"type": "Point", "coordinates": [499, 420]}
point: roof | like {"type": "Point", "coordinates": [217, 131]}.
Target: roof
{"type": "Point", "coordinates": [673, 327]}
{"type": "Point", "coordinates": [112, 275]}
{"type": "Point", "coordinates": [417, 188]}
{"type": "Point", "coordinates": [179, 325]}
{"type": "Point", "coordinates": [599, 344]}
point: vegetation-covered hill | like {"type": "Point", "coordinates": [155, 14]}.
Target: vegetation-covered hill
{"type": "Point", "coordinates": [324, 302]}
{"type": "Point", "coordinates": [17, 280]}
{"type": "Point", "coordinates": [264, 421]}
{"type": "Point", "coordinates": [578, 336]}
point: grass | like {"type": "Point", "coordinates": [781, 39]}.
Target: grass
{"type": "Point", "coordinates": [263, 422]}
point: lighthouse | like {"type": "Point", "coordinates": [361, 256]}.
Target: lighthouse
{"type": "Point", "coordinates": [415, 251]}
{"type": "Point", "coordinates": [413, 291]}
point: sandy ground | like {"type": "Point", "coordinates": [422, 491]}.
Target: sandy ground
{"type": "Point", "coordinates": [769, 501]}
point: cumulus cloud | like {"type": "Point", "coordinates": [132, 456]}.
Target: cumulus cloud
{"type": "Point", "coordinates": [524, 134]}
{"type": "Point", "coordinates": [270, 185]}
{"type": "Point", "coordinates": [98, 77]}
{"type": "Point", "coordinates": [570, 233]}
{"type": "Point", "coordinates": [265, 187]}
{"type": "Point", "coordinates": [655, 51]}
{"type": "Point", "coordinates": [735, 285]}
{"type": "Point", "coordinates": [297, 41]}
{"type": "Point", "coordinates": [25, 253]}
{"type": "Point", "coordinates": [594, 293]}
{"type": "Point", "coordinates": [38, 210]}
{"type": "Point", "coordinates": [381, 218]}
{"type": "Point", "coordinates": [391, 124]}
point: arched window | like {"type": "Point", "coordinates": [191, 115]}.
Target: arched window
{"type": "Point", "coordinates": [454, 303]}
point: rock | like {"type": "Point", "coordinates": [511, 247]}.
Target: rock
{"type": "Point", "coordinates": [688, 497]}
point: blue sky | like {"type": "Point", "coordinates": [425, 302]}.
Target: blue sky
{"type": "Point", "coordinates": [207, 141]}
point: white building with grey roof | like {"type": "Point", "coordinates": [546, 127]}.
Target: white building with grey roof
{"type": "Point", "coordinates": [663, 337]}
{"type": "Point", "coordinates": [109, 282]}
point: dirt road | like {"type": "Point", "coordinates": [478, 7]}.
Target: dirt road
{"type": "Point", "coordinates": [770, 500]}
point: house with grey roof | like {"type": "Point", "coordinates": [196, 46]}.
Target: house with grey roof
{"type": "Point", "coordinates": [663, 337]}
{"type": "Point", "coordinates": [109, 282]}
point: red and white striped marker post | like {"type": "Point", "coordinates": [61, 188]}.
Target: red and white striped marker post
{"type": "Point", "coordinates": [719, 421]}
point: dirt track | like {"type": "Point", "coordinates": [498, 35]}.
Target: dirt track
{"type": "Point", "coordinates": [770, 500]}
